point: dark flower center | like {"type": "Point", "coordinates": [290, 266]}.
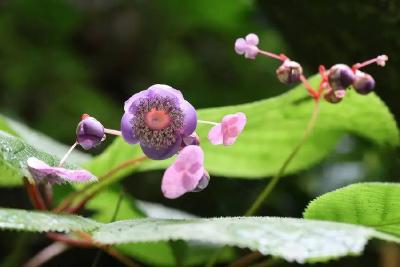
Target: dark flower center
{"type": "Point", "coordinates": [157, 121]}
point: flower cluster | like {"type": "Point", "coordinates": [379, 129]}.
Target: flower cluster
{"type": "Point", "coordinates": [335, 81]}
{"type": "Point", "coordinates": [163, 123]}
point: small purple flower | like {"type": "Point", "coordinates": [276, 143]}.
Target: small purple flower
{"type": "Point", "coordinates": [364, 83]}
{"type": "Point", "coordinates": [89, 133]}
{"type": "Point", "coordinates": [289, 72]}
{"type": "Point", "coordinates": [158, 118]}
{"type": "Point", "coordinates": [185, 174]}
{"type": "Point", "coordinates": [247, 46]}
{"type": "Point", "coordinates": [381, 60]}
{"type": "Point", "coordinates": [42, 172]}
{"type": "Point", "coordinates": [228, 130]}
{"type": "Point", "coordinates": [340, 77]}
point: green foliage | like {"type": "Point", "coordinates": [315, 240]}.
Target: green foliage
{"type": "Point", "coordinates": [14, 154]}
{"type": "Point", "coordinates": [273, 129]}
{"type": "Point", "coordinates": [292, 239]}
{"type": "Point", "coordinates": [374, 205]}
{"type": "Point", "coordinates": [33, 221]}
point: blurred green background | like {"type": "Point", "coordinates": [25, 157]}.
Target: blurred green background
{"type": "Point", "coordinates": [62, 58]}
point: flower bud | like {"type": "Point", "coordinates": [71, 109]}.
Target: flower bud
{"type": "Point", "coordinates": [289, 72]}
{"type": "Point", "coordinates": [89, 133]}
{"type": "Point", "coordinates": [340, 76]}
{"type": "Point", "coordinates": [192, 139]}
{"type": "Point", "coordinates": [203, 183]}
{"type": "Point", "coordinates": [335, 96]}
{"type": "Point", "coordinates": [364, 83]}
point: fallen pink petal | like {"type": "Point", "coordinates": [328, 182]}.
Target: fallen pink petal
{"type": "Point", "coordinates": [228, 130]}
{"type": "Point", "coordinates": [42, 172]}
{"type": "Point", "coordinates": [185, 173]}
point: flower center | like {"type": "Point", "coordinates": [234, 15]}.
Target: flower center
{"type": "Point", "coordinates": [157, 119]}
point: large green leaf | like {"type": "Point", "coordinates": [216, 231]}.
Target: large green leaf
{"type": "Point", "coordinates": [375, 205]}
{"type": "Point", "coordinates": [292, 239]}
{"type": "Point", "coordinates": [14, 153]}
{"type": "Point", "coordinates": [274, 127]}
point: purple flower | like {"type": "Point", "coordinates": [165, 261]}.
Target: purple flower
{"type": "Point", "coordinates": [42, 172]}
{"type": "Point", "coordinates": [247, 46]}
{"type": "Point", "coordinates": [228, 130]}
{"type": "Point", "coordinates": [89, 133]}
{"type": "Point", "coordinates": [186, 174]}
{"type": "Point", "coordinates": [158, 118]}
{"type": "Point", "coordinates": [381, 60]}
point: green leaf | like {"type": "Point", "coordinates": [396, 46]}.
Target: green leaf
{"type": "Point", "coordinates": [274, 127]}
{"type": "Point", "coordinates": [370, 204]}
{"type": "Point", "coordinates": [33, 221]}
{"type": "Point", "coordinates": [292, 239]}
{"type": "Point", "coordinates": [41, 141]}
{"type": "Point", "coordinates": [14, 153]}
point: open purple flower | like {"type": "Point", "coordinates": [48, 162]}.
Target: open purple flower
{"type": "Point", "coordinates": [247, 46]}
{"type": "Point", "coordinates": [228, 130]}
{"type": "Point", "coordinates": [42, 172]}
{"type": "Point", "coordinates": [157, 119]}
{"type": "Point", "coordinates": [186, 174]}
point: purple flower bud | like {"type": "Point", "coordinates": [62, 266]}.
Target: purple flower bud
{"type": "Point", "coordinates": [192, 139]}
{"type": "Point", "coordinates": [89, 133]}
{"type": "Point", "coordinates": [289, 72]}
{"type": "Point", "coordinates": [334, 96]}
{"type": "Point", "coordinates": [364, 83]}
{"type": "Point", "coordinates": [203, 183]}
{"type": "Point", "coordinates": [340, 76]}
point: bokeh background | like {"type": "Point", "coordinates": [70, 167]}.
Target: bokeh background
{"type": "Point", "coordinates": [62, 58]}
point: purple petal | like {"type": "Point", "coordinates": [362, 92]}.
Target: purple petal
{"type": "Point", "coordinates": [134, 100]}
{"type": "Point", "coordinates": [215, 135]}
{"type": "Point", "coordinates": [251, 52]}
{"type": "Point", "coordinates": [164, 91]}
{"type": "Point", "coordinates": [127, 129]}
{"type": "Point", "coordinates": [190, 119]}
{"type": "Point", "coordinates": [160, 154]}
{"type": "Point", "coordinates": [89, 133]}
{"type": "Point", "coordinates": [178, 181]}
{"type": "Point", "coordinates": [240, 46]}
{"type": "Point", "coordinates": [41, 171]}
{"type": "Point", "coordinates": [252, 39]}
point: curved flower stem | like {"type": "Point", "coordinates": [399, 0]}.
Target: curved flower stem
{"type": "Point", "coordinates": [271, 185]}
{"type": "Point", "coordinates": [104, 180]}
{"type": "Point", "coordinates": [47, 254]}
{"type": "Point", "coordinates": [35, 195]}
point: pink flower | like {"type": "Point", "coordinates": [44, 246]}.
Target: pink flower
{"type": "Point", "coordinates": [247, 46]}
{"type": "Point", "coordinates": [185, 174]}
{"type": "Point", "coordinates": [42, 172]}
{"type": "Point", "coordinates": [228, 130]}
{"type": "Point", "coordinates": [381, 60]}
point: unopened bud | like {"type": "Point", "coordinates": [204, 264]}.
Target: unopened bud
{"type": "Point", "coordinates": [364, 83]}
{"type": "Point", "coordinates": [89, 133]}
{"type": "Point", "coordinates": [340, 76]}
{"type": "Point", "coordinates": [289, 72]}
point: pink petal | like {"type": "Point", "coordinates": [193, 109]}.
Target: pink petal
{"type": "Point", "coordinates": [215, 135]}
{"type": "Point", "coordinates": [252, 39]}
{"type": "Point", "coordinates": [184, 175]}
{"type": "Point", "coordinates": [381, 60]}
{"type": "Point", "coordinates": [233, 125]}
{"type": "Point", "coordinates": [251, 52]}
{"type": "Point", "coordinates": [41, 171]}
{"type": "Point", "coordinates": [240, 46]}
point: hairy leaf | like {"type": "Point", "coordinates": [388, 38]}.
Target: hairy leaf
{"type": "Point", "coordinates": [292, 239]}
{"type": "Point", "coordinates": [14, 153]}
{"type": "Point", "coordinates": [370, 204]}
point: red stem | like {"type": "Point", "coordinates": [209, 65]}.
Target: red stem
{"type": "Point", "coordinates": [34, 195]}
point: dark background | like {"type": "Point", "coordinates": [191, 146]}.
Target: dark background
{"type": "Point", "coordinates": [62, 58]}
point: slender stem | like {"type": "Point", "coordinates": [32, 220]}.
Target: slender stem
{"type": "Point", "coordinates": [113, 132]}
{"type": "Point", "coordinates": [280, 57]}
{"type": "Point", "coordinates": [271, 185]}
{"type": "Point", "coordinates": [207, 122]}
{"type": "Point", "coordinates": [62, 161]}
{"type": "Point", "coordinates": [309, 88]}
{"type": "Point", "coordinates": [47, 254]}
{"type": "Point", "coordinates": [34, 195]}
